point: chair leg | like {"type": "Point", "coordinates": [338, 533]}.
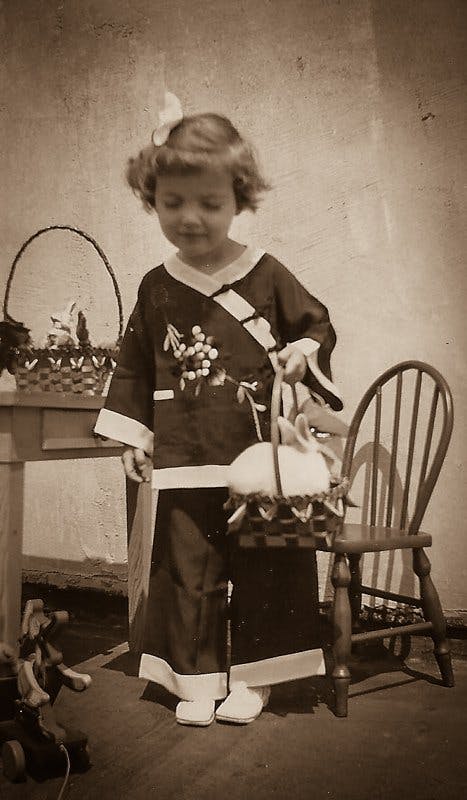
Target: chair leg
{"type": "Point", "coordinates": [342, 626]}
{"type": "Point", "coordinates": [434, 613]}
{"type": "Point", "coordinates": [355, 589]}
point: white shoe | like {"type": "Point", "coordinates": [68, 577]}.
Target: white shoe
{"type": "Point", "coordinates": [244, 704]}
{"type": "Point", "coordinates": [195, 712]}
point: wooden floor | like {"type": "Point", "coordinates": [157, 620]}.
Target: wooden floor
{"type": "Point", "coordinates": [407, 741]}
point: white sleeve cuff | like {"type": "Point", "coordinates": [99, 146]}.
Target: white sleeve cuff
{"type": "Point", "coordinates": [306, 346]}
{"type": "Point", "coordinates": [309, 348]}
{"type": "Point", "coordinates": [124, 429]}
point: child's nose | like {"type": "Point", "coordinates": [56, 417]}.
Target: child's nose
{"type": "Point", "coordinates": [190, 215]}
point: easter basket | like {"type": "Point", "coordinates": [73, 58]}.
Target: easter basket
{"type": "Point", "coordinates": [285, 520]}
{"type": "Point", "coordinates": [67, 363]}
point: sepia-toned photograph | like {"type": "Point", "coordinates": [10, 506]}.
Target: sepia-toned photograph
{"type": "Point", "coordinates": [233, 371]}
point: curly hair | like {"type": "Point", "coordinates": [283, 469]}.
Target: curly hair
{"type": "Point", "coordinates": [196, 143]}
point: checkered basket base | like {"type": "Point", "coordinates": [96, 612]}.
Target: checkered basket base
{"type": "Point", "coordinates": [86, 379]}
{"type": "Point", "coordinates": [285, 529]}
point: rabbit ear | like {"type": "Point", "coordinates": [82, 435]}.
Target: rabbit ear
{"type": "Point", "coordinates": [70, 307]}
{"type": "Point", "coordinates": [287, 431]}
{"type": "Point", "coordinates": [303, 432]}
{"type": "Point", "coordinates": [292, 436]}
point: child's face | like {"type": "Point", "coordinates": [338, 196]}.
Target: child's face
{"type": "Point", "coordinates": [195, 213]}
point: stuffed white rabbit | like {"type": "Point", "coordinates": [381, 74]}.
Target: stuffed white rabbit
{"type": "Point", "coordinates": [60, 333]}
{"type": "Point", "coordinates": [302, 466]}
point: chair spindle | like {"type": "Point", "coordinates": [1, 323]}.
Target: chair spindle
{"type": "Point", "coordinates": [374, 472]}
{"type": "Point", "coordinates": [413, 431]}
{"type": "Point", "coordinates": [394, 447]}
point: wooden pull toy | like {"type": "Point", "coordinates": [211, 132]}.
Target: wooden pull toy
{"type": "Point", "coordinates": [32, 738]}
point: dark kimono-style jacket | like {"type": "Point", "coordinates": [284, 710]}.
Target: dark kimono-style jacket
{"type": "Point", "coordinates": [248, 311]}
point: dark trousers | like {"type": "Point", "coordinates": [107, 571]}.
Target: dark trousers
{"type": "Point", "coordinates": [274, 606]}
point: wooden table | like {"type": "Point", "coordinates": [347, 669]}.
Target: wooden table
{"type": "Point", "coordinates": [49, 427]}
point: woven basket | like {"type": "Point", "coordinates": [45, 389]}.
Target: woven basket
{"type": "Point", "coordinates": [295, 521]}
{"type": "Point", "coordinates": [80, 369]}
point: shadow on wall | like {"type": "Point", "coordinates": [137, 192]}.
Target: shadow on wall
{"type": "Point", "coordinates": [390, 571]}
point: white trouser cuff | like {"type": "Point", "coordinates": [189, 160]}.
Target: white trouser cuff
{"type": "Point", "coordinates": [279, 669]}
{"type": "Point", "coordinates": [211, 685]}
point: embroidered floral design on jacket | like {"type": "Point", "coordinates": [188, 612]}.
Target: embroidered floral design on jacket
{"type": "Point", "coordinates": [197, 362]}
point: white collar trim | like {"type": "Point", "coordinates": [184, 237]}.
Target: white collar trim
{"type": "Point", "coordinates": [208, 284]}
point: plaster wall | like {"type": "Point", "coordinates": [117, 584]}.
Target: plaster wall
{"type": "Point", "coordinates": [358, 110]}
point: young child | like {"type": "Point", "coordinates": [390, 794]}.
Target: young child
{"type": "Point", "coordinates": [243, 313]}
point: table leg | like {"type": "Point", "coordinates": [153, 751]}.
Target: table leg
{"type": "Point", "coordinates": [11, 545]}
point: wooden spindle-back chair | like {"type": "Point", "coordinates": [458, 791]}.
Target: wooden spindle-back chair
{"type": "Point", "coordinates": [409, 408]}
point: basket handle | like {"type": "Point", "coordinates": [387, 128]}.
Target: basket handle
{"type": "Point", "coordinates": [276, 402]}
{"type": "Point", "coordinates": [96, 247]}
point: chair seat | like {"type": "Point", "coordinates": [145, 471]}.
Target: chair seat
{"type": "Point", "coordinates": [358, 538]}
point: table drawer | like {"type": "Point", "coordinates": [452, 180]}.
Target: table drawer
{"type": "Point", "coordinates": [71, 429]}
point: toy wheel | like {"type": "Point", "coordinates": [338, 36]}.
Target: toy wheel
{"type": "Point", "coordinates": [14, 761]}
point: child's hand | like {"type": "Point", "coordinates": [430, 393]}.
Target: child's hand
{"type": "Point", "coordinates": [137, 464]}
{"type": "Point", "coordinates": [294, 363]}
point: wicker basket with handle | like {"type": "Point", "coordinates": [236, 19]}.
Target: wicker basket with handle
{"type": "Point", "coordinates": [285, 521]}
{"type": "Point", "coordinates": [72, 368]}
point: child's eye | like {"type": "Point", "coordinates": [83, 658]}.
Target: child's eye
{"type": "Point", "coordinates": [211, 206]}
{"type": "Point", "coordinates": [172, 204]}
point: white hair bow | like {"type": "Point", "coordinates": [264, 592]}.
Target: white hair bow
{"type": "Point", "coordinates": [169, 117]}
